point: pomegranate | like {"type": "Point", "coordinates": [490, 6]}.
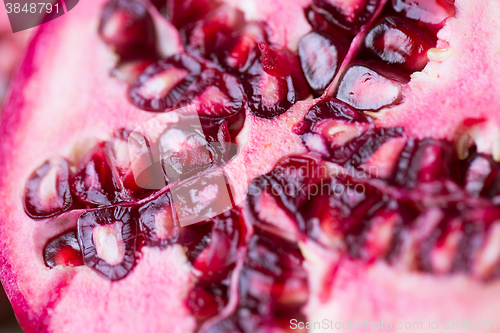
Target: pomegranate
{"type": "Point", "coordinates": [253, 166]}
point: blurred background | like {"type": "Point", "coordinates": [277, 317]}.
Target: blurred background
{"type": "Point", "coordinates": [12, 48]}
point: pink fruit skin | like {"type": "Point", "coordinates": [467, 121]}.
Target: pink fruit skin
{"type": "Point", "coordinates": [61, 96]}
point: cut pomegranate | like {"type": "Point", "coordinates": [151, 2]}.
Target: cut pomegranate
{"type": "Point", "coordinates": [400, 42]}
{"type": "Point", "coordinates": [320, 57]}
{"type": "Point", "coordinates": [108, 240]}
{"type": "Point", "coordinates": [371, 86]}
{"type": "Point", "coordinates": [47, 191]}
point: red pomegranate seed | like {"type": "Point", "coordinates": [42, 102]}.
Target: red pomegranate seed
{"type": "Point", "coordinates": [108, 239]}
{"type": "Point", "coordinates": [63, 250]}
{"type": "Point", "coordinates": [47, 192]}
{"type": "Point", "coordinates": [352, 19]}
{"type": "Point", "coordinates": [320, 57]}
{"type": "Point", "coordinates": [240, 52]}
{"type": "Point", "coordinates": [97, 183]}
{"type": "Point", "coordinates": [398, 41]}
{"type": "Point", "coordinates": [371, 86]}
{"type": "Point", "coordinates": [426, 11]}
{"type": "Point", "coordinates": [273, 63]}
{"type": "Point", "coordinates": [164, 83]}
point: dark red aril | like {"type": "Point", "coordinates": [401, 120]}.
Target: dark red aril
{"type": "Point", "coordinates": [108, 239]}
{"type": "Point", "coordinates": [182, 12]}
{"type": "Point", "coordinates": [320, 58]}
{"type": "Point", "coordinates": [269, 96]}
{"type": "Point", "coordinates": [97, 182]}
{"type": "Point", "coordinates": [349, 17]}
{"type": "Point", "coordinates": [158, 222]}
{"type": "Point", "coordinates": [240, 52]}
{"type": "Point", "coordinates": [371, 85]}
{"type": "Point", "coordinates": [164, 83]}
{"type": "Point", "coordinates": [205, 302]}
{"type": "Point", "coordinates": [47, 192]}
{"type": "Point", "coordinates": [206, 36]}
{"type": "Point", "coordinates": [433, 12]}
{"type": "Point", "coordinates": [63, 250]}
{"type": "Point", "coordinates": [129, 71]}
{"type": "Point", "coordinates": [227, 236]}
{"type": "Point", "coordinates": [481, 175]}
{"type": "Point", "coordinates": [274, 63]}
{"type": "Point", "coordinates": [425, 161]}
{"type": "Point", "coordinates": [215, 94]}
{"type": "Point", "coordinates": [398, 41]}
{"type": "Point", "coordinates": [127, 26]}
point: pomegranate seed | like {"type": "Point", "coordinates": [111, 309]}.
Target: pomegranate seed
{"type": "Point", "coordinates": [269, 96]}
{"type": "Point", "coordinates": [108, 239]}
{"type": "Point", "coordinates": [240, 52]}
{"type": "Point", "coordinates": [182, 12]}
{"type": "Point", "coordinates": [426, 11]}
{"type": "Point", "coordinates": [371, 86]}
{"type": "Point", "coordinates": [273, 63]}
{"type": "Point", "coordinates": [352, 19]}
{"type": "Point", "coordinates": [163, 84]}
{"type": "Point", "coordinates": [97, 183]}
{"type": "Point", "coordinates": [227, 235]}
{"type": "Point", "coordinates": [63, 250]}
{"type": "Point", "coordinates": [398, 41]}
{"type": "Point", "coordinates": [424, 161]}
{"type": "Point", "coordinates": [320, 57]}
{"type": "Point", "coordinates": [205, 36]}
{"type": "Point", "coordinates": [158, 222]}
{"type": "Point", "coordinates": [215, 94]}
{"type": "Point", "coordinates": [205, 303]}
{"type": "Point", "coordinates": [127, 26]}
{"type": "Point", "coordinates": [47, 192]}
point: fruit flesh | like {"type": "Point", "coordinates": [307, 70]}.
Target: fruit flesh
{"type": "Point", "coordinates": [261, 152]}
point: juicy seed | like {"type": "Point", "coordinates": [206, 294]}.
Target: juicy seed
{"type": "Point", "coordinates": [433, 12]}
{"type": "Point", "coordinates": [208, 35]}
{"type": "Point", "coordinates": [158, 222]}
{"type": "Point", "coordinates": [269, 96]}
{"type": "Point", "coordinates": [274, 63]}
{"type": "Point", "coordinates": [240, 52]}
{"type": "Point", "coordinates": [108, 238]}
{"type": "Point", "coordinates": [97, 183]}
{"type": "Point", "coordinates": [371, 86]}
{"type": "Point", "coordinates": [63, 250]}
{"type": "Point", "coordinates": [47, 192]}
{"type": "Point", "coordinates": [398, 41]}
{"type": "Point", "coordinates": [128, 27]}
{"type": "Point", "coordinates": [215, 94]}
{"type": "Point", "coordinates": [164, 83]}
{"type": "Point", "coordinates": [350, 19]}
{"type": "Point", "coordinates": [320, 57]}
